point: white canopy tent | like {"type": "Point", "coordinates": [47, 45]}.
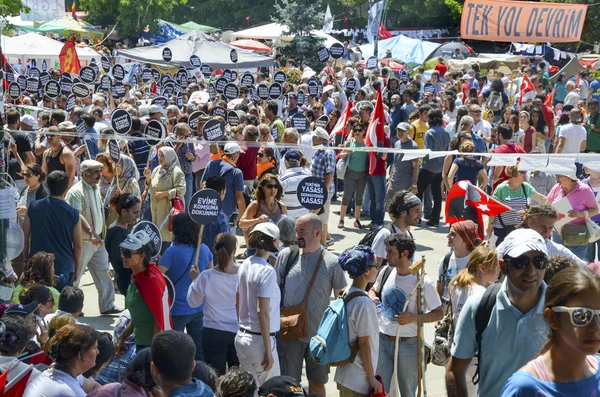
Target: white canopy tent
{"type": "Point", "coordinates": [275, 31]}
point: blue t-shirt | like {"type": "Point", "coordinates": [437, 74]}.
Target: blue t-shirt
{"type": "Point", "coordinates": [595, 88]}
{"type": "Point", "coordinates": [234, 178]}
{"type": "Point", "coordinates": [52, 222]}
{"type": "Point", "coordinates": [213, 229]}
{"type": "Point", "coordinates": [195, 389]}
{"type": "Point", "coordinates": [468, 169]}
{"type": "Point", "coordinates": [561, 91]}
{"type": "Point", "coordinates": [178, 258]}
{"type": "Point", "coordinates": [523, 384]}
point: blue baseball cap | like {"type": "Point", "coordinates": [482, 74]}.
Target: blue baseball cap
{"type": "Point", "coordinates": [292, 156]}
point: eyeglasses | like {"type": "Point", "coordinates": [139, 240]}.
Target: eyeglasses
{"type": "Point", "coordinates": [127, 252]}
{"type": "Point", "coordinates": [521, 262]}
{"type": "Point", "coordinates": [580, 316]}
{"type": "Point", "coordinates": [271, 186]}
{"type": "Point", "coordinates": [259, 154]}
{"type": "Point", "coordinates": [358, 131]}
{"type": "Point", "coordinates": [475, 111]}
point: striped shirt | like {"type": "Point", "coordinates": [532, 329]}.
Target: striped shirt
{"type": "Point", "coordinates": [289, 181]}
{"type": "Point", "coordinates": [139, 150]}
{"type": "Point", "coordinates": [515, 199]}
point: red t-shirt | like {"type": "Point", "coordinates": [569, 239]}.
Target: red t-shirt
{"type": "Point", "coordinates": [528, 139]}
{"type": "Point", "coordinates": [247, 162]}
{"type": "Point", "coordinates": [442, 68]}
{"type": "Point", "coordinates": [465, 91]}
{"type": "Point", "coordinates": [506, 148]}
{"type": "Point", "coordinates": [549, 118]}
{"type": "Point", "coordinates": [380, 164]}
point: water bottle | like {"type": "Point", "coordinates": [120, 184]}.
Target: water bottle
{"type": "Point", "coordinates": [382, 313]}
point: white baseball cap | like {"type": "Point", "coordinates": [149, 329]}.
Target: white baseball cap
{"type": "Point", "coordinates": [320, 132]}
{"type": "Point", "coordinates": [28, 119]}
{"type": "Point", "coordinates": [232, 147]}
{"type": "Point", "coordinates": [521, 241]}
{"type": "Point", "coordinates": [155, 109]}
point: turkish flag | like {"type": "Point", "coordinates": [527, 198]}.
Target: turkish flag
{"type": "Point", "coordinates": [340, 127]}
{"type": "Point", "coordinates": [526, 86]}
{"type": "Point", "coordinates": [375, 133]}
{"type": "Point", "coordinates": [69, 61]}
{"type": "Point", "coordinates": [548, 100]}
{"type": "Point", "coordinates": [383, 32]}
{"type": "Point", "coordinates": [465, 201]}
{"type": "Point", "coordinates": [153, 288]}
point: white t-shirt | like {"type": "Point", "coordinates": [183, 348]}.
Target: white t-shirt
{"type": "Point", "coordinates": [406, 285]}
{"type": "Point", "coordinates": [308, 152]}
{"type": "Point", "coordinates": [257, 279]}
{"type": "Point", "coordinates": [574, 135]}
{"type": "Point", "coordinates": [460, 296]}
{"type": "Point", "coordinates": [455, 265]}
{"type": "Point", "coordinates": [483, 126]}
{"type": "Point", "coordinates": [571, 99]}
{"type": "Point", "coordinates": [362, 321]}
{"type": "Point", "coordinates": [289, 182]}
{"type": "Point", "coordinates": [379, 240]}
{"type": "Point", "coordinates": [54, 383]}
{"type": "Point", "coordinates": [217, 291]}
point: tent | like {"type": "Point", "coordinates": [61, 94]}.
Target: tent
{"type": "Point", "coordinates": [275, 31]}
{"type": "Point", "coordinates": [403, 49]}
{"type": "Point", "coordinates": [39, 47]}
{"type": "Point", "coordinates": [487, 62]}
{"type": "Point", "coordinates": [64, 25]}
{"type": "Point", "coordinates": [570, 69]}
{"type": "Point", "coordinates": [252, 45]}
{"type": "Point", "coordinates": [211, 52]}
{"type": "Point", "coordinates": [196, 26]}
{"type": "Point", "coordinates": [447, 49]}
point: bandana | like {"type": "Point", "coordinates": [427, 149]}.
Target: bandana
{"type": "Point", "coordinates": [410, 201]}
{"type": "Point", "coordinates": [467, 230]}
{"type": "Point", "coordinates": [356, 260]}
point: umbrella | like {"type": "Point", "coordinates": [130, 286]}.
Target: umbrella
{"type": "Point", "coordinates": [248, 44]}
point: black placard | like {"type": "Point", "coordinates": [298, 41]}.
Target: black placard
{"type": "Point", "coordinates": [147, 75]}
{"type": "Point", "coordinates": [227, 75]}
{"type": "Point", "coordinates": [323, 54]}
{"type": "Point", "coordinates": [275, 91]}
{"type": "Point", "coordinates": [168, 89]}
{"type": "Point", "coordinates": [155, 131]}
{"type": "Point", "coordinates": [134, 81]}
{"type": "Point", "coordinates": [218, 111]}
{"type": "Point", "coordinates": [312, 193]}
{"type": "Point", "coordinates": [313, 87]}
{"type": "Point", "coordinates": [403, 76]}
{"type": "Point", "coordinates": [300, 98]}
{"type": "Point", "coordinates": [247, 80]}
{"type": "Point", "coordinates": [205, 206]}
{"type": "Point", "coordinates": [429, 87]}
{"type": "Point", "coordinates": [167, 55]}
{"type": "Point", "coordinates": [160, 101]}
{"type": "Point", "coordinates": [234, 75]}
{"type": "Point", "coordinates": [336, 50]}
{"type": "Point", "coordinates": [152, 231]}
{"type": "Point", "coordinates": [195, 61]}
{"type": "Point", "coordinates": [22, 81]}
{"type": "Point", "coordinates": [220, 84]}
{"type": "Point", "coordinates": [280, 76]}
{"type": "Point", "coordinates": [181, 77]}
{"type": "Point", "coordinates": [118, 72]}
{"type": "Point", "coordinates": [156, 74]}
{"type": "Point", "coordinates": [319, 87]}
{"type": "Point", "coordinates": [105, 83]}
{"type": "Point", "coordinates": [212, 91]}
{"type": "Point", "coordinates": [44, 65]}
{"type": "Point", "coordinates": [118, 89]}
{"type": "Point", "coordinates": [114, 151]}
{"type": "Point", "coordinates": [233, 55]}
{"type": "Point", "coordinates": [80, 127]}
{"type": "Point", "coordinates": [193, 120]}
{"type": "Point", "coordinates": [372, 63]}
{"type": "Point", "coordinates": [14, 91]}
{"type": "Point", "coordinates": [300, 123]}
{"type": "Point", "coordinates": [52, 89]}
{"type": "Point", "coordinates": [263, 91]}
{"type": "Point", "coordinates": [66, 85]}
{"type": "Point", "coordinates": [10, 77]}
{"type": "Point", "coordinates": [206, 70]}
{"type": "Point", "coordinates": [120, 120]}
{"type": "Point", "coordinates": [213, 130]}
{"type": "Point", "coordinates": [34, 72]}
{"type": "Point", "coordinates": [80, 90]}
{"type": "Point", "coordinates": [105, 62]}
{"type": "Point", "coordinates": [33, 84]}
{"type": "Point", "coordinates": [179, 99]}
{"type": "Point", "coordinates": [44, 78]}
{"type": "Point", "coordinates": [87, 75]}
{"type": "Point", "coordinates": [233, 118]}
{"type": "Point", "coordinates": [322, 121]}
{"type": "Point", "coordinates": [351, 84]}
{"type": "Point", "coordinates": [70, 103]}
{"type": "Point", "coordinates": [231, 91]}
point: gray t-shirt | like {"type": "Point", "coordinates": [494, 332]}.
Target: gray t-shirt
{"type": "Point", "coordinates": [402, 171]}
{"type": "Point", "coordinates": [329, 277]}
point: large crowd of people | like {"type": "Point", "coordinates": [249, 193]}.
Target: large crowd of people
{"type": "Point", "coordinates": [234, 310]}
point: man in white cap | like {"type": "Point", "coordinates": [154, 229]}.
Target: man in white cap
{"type": "Point", "coordinates": [512, 327]}
{"type": "Point", "coordinates": [85, 197]}
{"type": "Point", "coordinates": [155, 112]}
{"type": "Point", "coordinates": [226, 167]}
{"type": "Point", "coordinates": [323, 168]}
{"type": "Point", "coordinates": [27, 122]}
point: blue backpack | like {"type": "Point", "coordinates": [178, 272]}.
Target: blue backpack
{"type": "Point", "coordinates": [331, 345]}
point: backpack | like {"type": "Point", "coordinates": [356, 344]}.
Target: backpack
{"type": "Point", "coordinates": [445, 265]}
{"type": "Point", "coordinates": [482, 318]}
{"type": "Point", "coordinates": [370, 237]}
{"type": "Point", "coordinates": [494, 101]}
{"type": "Point", "coordinates": [387, 270]}
{"type": "Point", "coordinates": [331, 345]}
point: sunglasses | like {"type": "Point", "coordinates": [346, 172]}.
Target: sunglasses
{"type": "Point", "coordinates": [130, 198]}
{"type": "Point", "coordinates": [475, 111]}
{"type": "Point", "coordinates": [127, 253]}
{"type": "Point", "coordinates": [26, 175]}
{"type": "Point", "coordinates": [521, 262]}
{"type": "Point", "coordinates": [259, 154]}
{"type": "Point", "coordinates": [580, 316]}
{"type": "Point", "coordinates": [271, 186]}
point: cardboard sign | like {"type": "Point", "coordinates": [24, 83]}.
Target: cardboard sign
{"type": "Point", "coordinates": [429, 87]}
{"type": "Point", "coordinates": [280, 77]}
{"type": "Point", "coordinates": [195, 61]}
{"type": "Point", "coordinates": [212, 91]}
{"type": "Point", "coordinates": [87, 75]}
{"type": "Point", "coordinates": [105, 62]}
{"type": "Point", "coordinates": [336, 50]}
{"type": "Point", "coordinates": [263, 92]}
{"type": "Point", "coordinates": [275, 91]}
{"type": "Point", "coordinates": [519, 21]}
{"type": "Point", "coordinates": [118, 72]}
{"type": "Point", "coordinates": [312, 193]}
{"type": "Point", "coordinates": [80, 90]}
{"type": "Point", "coordinates": [120, 120]}
{"type": "Point", "coordinates": [323, 54]}
{"type": "Point", "coordinates": [213, 130]}
{"type": "Point", "coordinates": [167, 55]}
{"type": "Point", "coordinates": [313, 87]}
{"type": "Point", "coordinates": [372, 63]}
{"type": "Point", "coordinates": [233, 55]}
{"type": "Point", "coordinates": [22, 81]}
{"type": "Point", "coordinates": [218, 111]}
{"type": "Point", "coordinates": [247, 80]}
{"type": "Point", "coordinates": [114, 151]}
{"type": "Point", "coordinates": [206, 70]}
{"type": "Point", "coordinates": [70, 103]}
{"type": "Point", "coordinates": [66, 85]}
{"type": "Point", "coordinates": [227, 75]}
{"type": "Point", "coordinates": [193, 120]}
{"type": "Point", "coordinates": [160, 101]}
{"type": "Point", "coordinates": [231, 91]}
{"type": "Point", "coordinates": [44, 78]}
{"type": "Point", "coordinates": [14, 91]}
{"type": "Point", "coordinates": [152, 231]}
{"type": "Point", "coordinates": [300, 123]}
{"type": "Point", "coordinates": [156, 75]}
{"type": "Point", "coordinates": [300, 98]}
{"type": "Point", "coordinates": [322, 121]}
{"type": "Point", "coordinates": [155, 131]}
{"type": "Point", "coordinates": [232, 118]}
{"type": "Point", "coordinates": [351, 84]}
{"type": "Point", "coordinates": [52, 89]}
{"type": "Point", "coordinates": [147, 75]}
{"type": "Point", "coordinates": [205, 206]}
{"type": "Point", "coordinates": [220, 84]}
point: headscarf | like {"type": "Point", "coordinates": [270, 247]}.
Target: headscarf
{"type": "Point", "coordinates": [467, 230]}
{"type": "Point", "coordinates": [356, 260]}
{"type": "Point", "coordinates": [171, 161]}
{"type": "Point", "coordinates": [409, 201]}
{"type": "Point", "coordinates": [128, 171]}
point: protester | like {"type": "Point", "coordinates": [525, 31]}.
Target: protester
{"type": "Point", "coordinates": [34, 178]}
{"type": "Point", "coordinates": [404, 174]}
{"type": "Point", "coordinates": [70, 302]}
{"type": "Point", "coordinates": [237, 382]}
{"type": "Point", "coordinates": [13, 341]}
{"type": "Point", "coordinates": [323, 167]}
{"type": "Point", "coordinates": [128, 177]}
{"type": "Point", "coordinates": [355, 179]}
{"type": "Point", "coordinates": [296, 170]}
{"type": "Point", "coordinates": [39, 271]}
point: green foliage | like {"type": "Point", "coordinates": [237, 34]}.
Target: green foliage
{"type": "Point", "coordinates": [303, 49]}
{"type": "Point", "coordinates": [11, 7]}
{"type": "Point", "coordinates": [418, 13]}
{"type": "Point", "coordinates": [300, 16]}
{"type": "Point", "coordinates": [455, 8]}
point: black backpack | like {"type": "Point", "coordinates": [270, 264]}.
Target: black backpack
{"type": "Point", "coordinates": [370, 237]}
{"type": "Point", "coordinates": [482, 318]}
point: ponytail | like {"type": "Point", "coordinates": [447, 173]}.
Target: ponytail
{"type": "Point", "coordinates": [225, 245]}
{"type": "Point", "coordinates": [481, 256]}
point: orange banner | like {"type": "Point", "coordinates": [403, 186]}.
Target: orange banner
{"type": "Point", "coordinates": [521, 21]}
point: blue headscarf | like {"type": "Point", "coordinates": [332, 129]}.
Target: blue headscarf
{"type": "Point", "coordinates": [356, 260]}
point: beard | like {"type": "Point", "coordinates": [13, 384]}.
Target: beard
{"type": "Point", "coordinates": [301, 243]}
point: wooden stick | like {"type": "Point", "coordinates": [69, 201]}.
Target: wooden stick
{"type": "Point", "coordinates": [116, 174]}
{"type": "Point", "coordinates": [199, 244]}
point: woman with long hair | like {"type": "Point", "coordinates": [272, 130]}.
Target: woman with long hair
{"type": "Point", "coordinates": [455, 144]}
{"type": "Point", "coordinates": [257, 302]}
{"type": "Point", "coordinates": [215, 288]}
{"type": "Point", "coordinates": [34, 178]}
{"type": "Point", "coordinates": [127, 206]}
{"type": "Point", "coordinates": [450, 108]}
{"type": "Point", "coordinates": [127, 174]}
{"type": "Point", "coordinates": [107, 173]}
{"type": "Point", "coordinates": [13, 342]}
{"type": "Point", "coordinates": [265, 162]}
{"type": "Point", "coordinates": [567, 365]}
{"type": "Point", "coordinates": [513, 122]}
{"type": "Point", "coordinates": [453, 127]}
{"type": "Point", "coordinates": [538, 122]}
{"type": "Point", "coordinates": [559, 93]}
{"type": "Point", "coordinates": [527, 136]}
{"type": "Point", "coordinates": [73, 349]}
{"type": "Point", "coordinates": [355, 179]}
{"type": "Point", "coordinates": [506, 113]}
{"type": "Point", "coordinates": [334, 116]}
{"type": "Point", "coordinates": [39, 270]}
{"type": "Point", "coordinates": [176, 263]}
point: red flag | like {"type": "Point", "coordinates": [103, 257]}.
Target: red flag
{"type": "Point", "coordinates": [467, 202]}
{"type": "Point", "coordinates": [526, 86]}
{"type": "Point", "coordinates": [383, 32]}
{"type": "Point", "coordinates": [17, 386]}
{"type": "Point", "coordinates": [340, 127]}
{"type": "Point", "coordinates": [375, 133]}
{"type": "Point", "coordinates": [69, 61]}
{"type": "Point", "coordinates": [3, 378]}
{"type": "Point", "coordinates": [548, 100]}
{"type": "Point", "coordinates": [153, 287]}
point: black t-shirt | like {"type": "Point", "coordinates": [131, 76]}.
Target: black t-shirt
{"type": "Point", "coordinates": [23, 146]}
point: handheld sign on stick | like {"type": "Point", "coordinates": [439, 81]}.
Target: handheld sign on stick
{"type": "Point", "coordinates": [204, 208]}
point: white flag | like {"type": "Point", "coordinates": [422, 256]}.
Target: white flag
{"type": "Point", "coordinates": [328, 24]}
{"type": "Point", "coordinates": [374, 20]}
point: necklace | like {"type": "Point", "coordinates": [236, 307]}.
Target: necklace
{"type": "Point", "coordinates": [271, 209]}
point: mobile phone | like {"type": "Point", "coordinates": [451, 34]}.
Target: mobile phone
{"type": "Point", "coordinates": [233, 218]}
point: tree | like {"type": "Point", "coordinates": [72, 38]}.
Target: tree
{"type": "Point", "coordinates": [223, 14]}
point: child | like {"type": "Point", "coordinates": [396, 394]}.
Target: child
{"type": "Point", "coordinates": [221, 224]}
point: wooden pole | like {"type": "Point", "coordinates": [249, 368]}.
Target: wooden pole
{"type": "Point", "coordinates": [199, 244]}
{"type": "Point", "coordinates": [116, 174]}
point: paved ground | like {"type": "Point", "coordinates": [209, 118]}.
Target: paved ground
{"type": "Point", "coordinates": [430, 242]}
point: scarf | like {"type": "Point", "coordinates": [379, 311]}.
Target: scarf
{"type": "Point", "coordinates": [128, 171]}
{"type": "Point", "coordinates": [410, 201]}
{"type": "Point", "coordinates": [228, 159]}
{"type": "Point", "coordinates": [153, 288]}
{"type": "Point", "coordinates": [467, 230]}
{"type": "Point", "coordinates": [171, 161]}
{"type": "Point", "coordinates": [262, 167]}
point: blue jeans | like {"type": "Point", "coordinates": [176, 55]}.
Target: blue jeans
{"type": "Point", "coordinates": [189, 189]}
{"type": "Point", "coordinates": [193, 324]}
{"type": "Point", "coordinates": [592, 248]}
{"type": "Point", "coordinates": [578, 251]}
{"type": "Point", "coordinates": [376, 188]}
{"type": "Point", "coordinates": [408, 364]}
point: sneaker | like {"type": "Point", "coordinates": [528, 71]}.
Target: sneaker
{"type": "Point", "coordinates": [341, 224]}
{"type": "Point", "coordinates": [358, 225]}
{"type": "Point", "coordinates": [114, 310]}
{"type": "Point", "coordinates": [432, 223]}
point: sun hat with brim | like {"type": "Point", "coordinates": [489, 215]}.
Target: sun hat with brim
{"type": "Point", "coordinates": [135, 241]}
{"type": "Point", "coordinates": [268, 229]}
{"type": "Point", "coordinates": [521, 241]}
{"type": "Point", "coordinates": [320, 132]}
{"type": "Point", "coordinates": [570, 173]}
{"type": "Point", "coordinates": [66, 126]}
